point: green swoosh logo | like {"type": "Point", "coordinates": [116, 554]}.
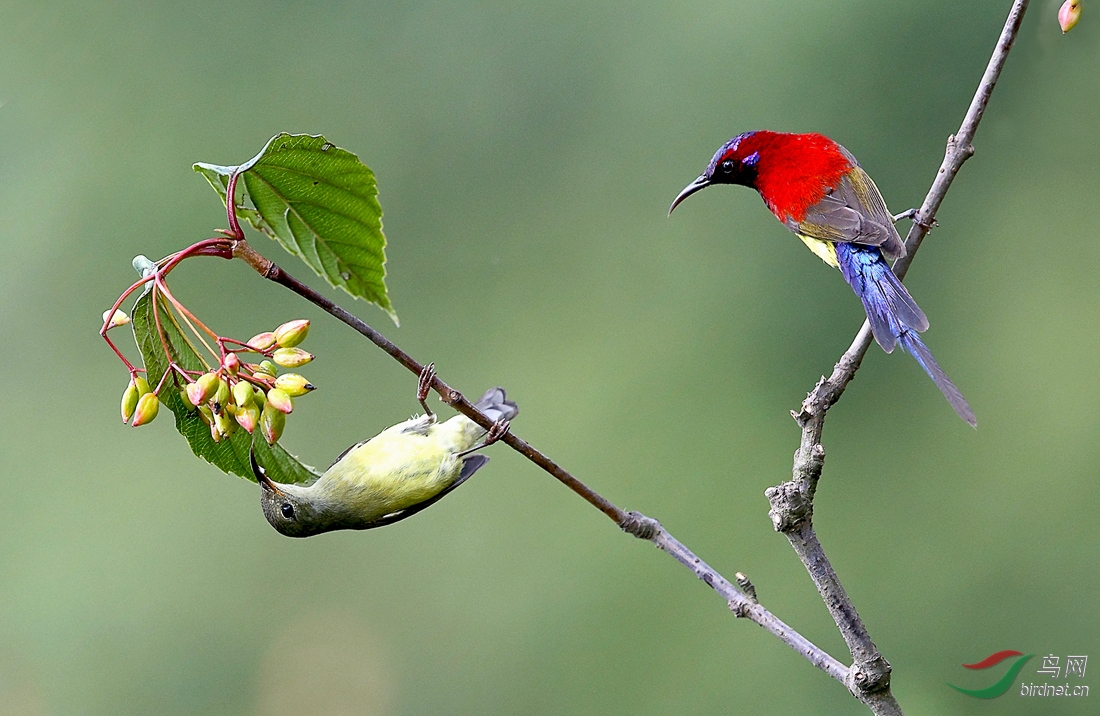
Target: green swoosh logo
{"type": "Point", "coordinates": [1002, 685]}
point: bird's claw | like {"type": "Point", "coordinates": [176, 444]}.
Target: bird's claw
{"type": "Point", "coordinates": [914, 216]}
{"type": "Point", "coordinates": [498, 430]}
{"type": "Point", "coordinates": [424, 386]}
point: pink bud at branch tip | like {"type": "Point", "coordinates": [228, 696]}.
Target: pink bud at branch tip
{"type": "Point", "coordinates": [1069, 14]}
{"type": "Point", "coordinates": [262, 341]}
{"type": "Point", "coordinates": [232, 363]}
{"type": "Point", "coordinates": [278, 399]}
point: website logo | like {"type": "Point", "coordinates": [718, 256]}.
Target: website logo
{"type": "Point", "coordinates": [1005, 682]}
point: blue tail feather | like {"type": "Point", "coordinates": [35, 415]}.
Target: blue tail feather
{"type": "Point", "coordinates": [894, 316]}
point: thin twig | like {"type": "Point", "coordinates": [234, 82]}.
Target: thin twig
{"type": "Point", "coordinates": [792, 502]}
{"type": "Point", "coordinates": [631, 522]}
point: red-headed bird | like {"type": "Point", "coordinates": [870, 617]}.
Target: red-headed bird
{"type": "Point", "coordinates": [819, 191]}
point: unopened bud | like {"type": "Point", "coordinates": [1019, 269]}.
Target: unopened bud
{"type": "Point", "coordinates": [142, 385]}
{"type": "Point", "coordinates": [247, 417]}
{"type": "Point", "coordinates": [147, 407]}
{"type": "Point", "coordinates": [206, 414]}
{"type": "Point", "coordinates": [1069, 14]}
{"type": "Point", "coordinates": [279, 400]}
{"type": "Point", "coordinates": [129, 401]}
{"type": "Point", "coordinates": [291, 357]}
{"type": "Point", "coordinates": [202, 389]}
{"type": "Point", "coordinates": [243, 395]}
{"type": "Point", "coordinates": [225, 424]}
{"type": "Point", "coordinates": [294, 384]}
{"type": "Point", "coordinates": [268, 368]}
{"type": "Point", "coordinates": [292, 333]}
{"type": "Point", "coordinates": [272, 423]}
{"type": "Point", "coordinates": [221, 395]}
{"type": "Point", "coordinates": [232, 364]}
{"type": "Point", "coordinates": [259, 397]}
{"type": "Point", "coordinates": [118, 318]}
{"type": "Point", "coordinates": [262, 341]}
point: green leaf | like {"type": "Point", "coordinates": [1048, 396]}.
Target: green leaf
{"type": "Point", "coordinates": [230, 455]}
{"type": "Point", "coordinates": [321, 203]}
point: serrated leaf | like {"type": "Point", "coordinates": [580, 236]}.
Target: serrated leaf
{"type": "Point", "coordinates": [231, 455]}
{"type": "Point", "coordinates": [320, 203]}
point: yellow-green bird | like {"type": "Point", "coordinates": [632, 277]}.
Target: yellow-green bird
{"type": "Point", "coordinates": [394, 475]}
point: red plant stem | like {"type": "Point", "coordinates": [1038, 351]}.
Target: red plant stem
{"type": "Point", "coordinates": [231, 207]}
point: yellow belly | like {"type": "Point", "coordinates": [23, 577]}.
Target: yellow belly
{"type": "Point", "coordinates": [825, 250]}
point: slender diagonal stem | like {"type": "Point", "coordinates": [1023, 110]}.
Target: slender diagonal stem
{"type": "Point", "coordinates": [633, 523]}
{"type": "Point", "coordinates": [792, 502]}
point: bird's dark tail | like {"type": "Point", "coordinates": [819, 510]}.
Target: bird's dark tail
{"type": "Point", "coordinates": [912, 343]}
{"type": "Point", "coordinates": [894, 316]}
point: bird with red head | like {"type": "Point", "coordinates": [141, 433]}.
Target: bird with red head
{"type": "Point", "coordinates": [818, 190]}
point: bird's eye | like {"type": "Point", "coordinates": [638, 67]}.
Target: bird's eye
{"type": "Point", "coordinates": [727, 166]}
{"type": "Point", "coordinates": [287, 510]}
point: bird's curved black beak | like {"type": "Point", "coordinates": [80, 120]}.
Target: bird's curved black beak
{"type": "Point", "coordinates": [701, 183]}
{"type": "Point", "coordinates": [261, 476]}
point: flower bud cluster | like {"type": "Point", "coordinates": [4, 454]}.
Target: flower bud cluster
{"type": "Point", "coordinates": [250, 395]}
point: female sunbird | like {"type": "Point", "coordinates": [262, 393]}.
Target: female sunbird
{"type": "Point", "coordinates": [818, 190]}
{"type": "Point", "coordinates": [394, 475]}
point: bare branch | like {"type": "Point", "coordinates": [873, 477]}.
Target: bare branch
{"type": "Point", "coordinates": [792, 502]}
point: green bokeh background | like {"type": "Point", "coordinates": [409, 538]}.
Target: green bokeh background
{"type": "Point", "coordinates": [526, 156]}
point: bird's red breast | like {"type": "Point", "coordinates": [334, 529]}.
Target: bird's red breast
{"type": "Point", "coordinates": [794, 171]}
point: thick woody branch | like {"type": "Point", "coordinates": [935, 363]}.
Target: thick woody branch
{"type": "Point", "coordinates": [792, 502]}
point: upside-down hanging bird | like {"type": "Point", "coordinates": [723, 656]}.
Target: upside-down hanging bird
{"type": "Point", "coordinates": [394, 475]}
{"type": "Point", "coordinates": [818, 190]}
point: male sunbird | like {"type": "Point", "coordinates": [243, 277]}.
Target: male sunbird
{"type": "Point", "coordinates": [394, 475]}
{"type": "Point", "coordinates": [818, 190]}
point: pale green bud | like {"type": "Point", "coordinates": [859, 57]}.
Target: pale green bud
{"type": "Point", "coordinates": [272, 423]}
{"type": "Point", "coordinates": [269, 368]}
{"type": "Point", "coordinates": [260, 397]}
{"type": "Point", "coordinates": [142, 385]}
{"type": "Point", "coordinates": [262, 341]}
{"type": "Point", "coordinates": [147, 408]}
{"type": "Point", "coordinates": [221, 395]}
{"type": "Point", "coordinates": [206, 414]}
{"type": "Point", "coordinates": [291, 357]}
{"type": "Point", "coordinates": [225, 424]}
{"type": "Point", "coordinates": [118, 318]}
{"type": "Point", "coordinates": [243, 395]}
{"type": "Point", "coordinates": [278, 399]}
{"type": "Point", "coordinates": [129, 401]}
{"type": "Point", "coordinates": [202, 389]}
{"type": "Point", "coordinates": [292, 333]}
{"type": "Point", "coordinates": [293, 384]}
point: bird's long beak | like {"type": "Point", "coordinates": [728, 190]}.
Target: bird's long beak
{"type": "Point", "coordinates": [701, 183]}
{"type": "Point", "coordinates": [261, 476]}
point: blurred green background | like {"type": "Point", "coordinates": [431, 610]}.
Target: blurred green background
{"type": "Point", "coordinates": [526, 157]}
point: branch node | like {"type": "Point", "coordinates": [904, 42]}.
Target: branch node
{"type": "Point", "coordinates": [452, 397]}
{"type": "Point", "coordinates": [640, 526]}
{"type": "Point", "coordinates": [790, 506]}
{"type": "Point", "coordinates": [868, 677]}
